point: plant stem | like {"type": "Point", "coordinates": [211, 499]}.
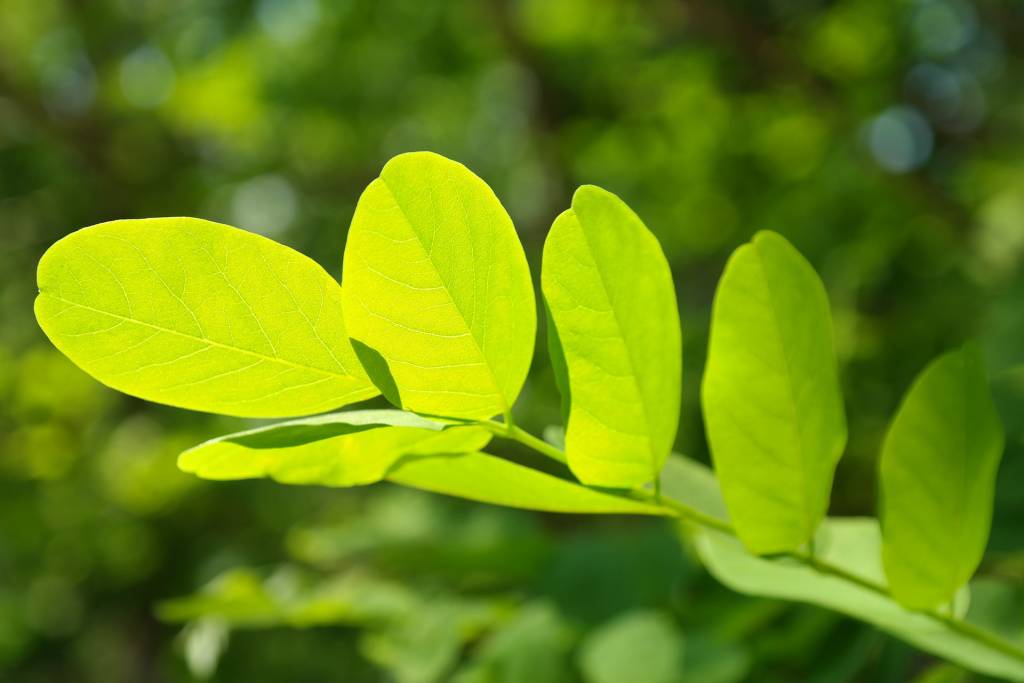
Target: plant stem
{"type": "Point", "coordinates": [809, 559]}
{"type": "Point", "coordinates": [511, 431]}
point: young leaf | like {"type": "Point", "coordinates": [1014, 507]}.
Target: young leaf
{"type": "Point", "coordinates": [342, 449]}
{"type": "Point", "coordinates": [612, 304]}
{"type": "Point", "coordinates": [200, 315]}
{"type": "Point", "coordinates": [855, 546]}
{"type": "Point", "coordinates": [937, 474]}
{"type": "Point", "coordinates": [437, 285]}
{"type": "Point", "coordinates": [485, 478]}
{"type": "Point", "coordinates": [772, 404]}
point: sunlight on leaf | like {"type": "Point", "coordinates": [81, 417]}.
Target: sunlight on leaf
{"type": "Point", "coordinates": [341, 449]}
{"type": "Point", "coordinates": [615, 340]}
{"type": "Point", "coordinates": [772, 403]}
{"type": "Point", "coordinates": [485, 478]}
{"type": "Point", "coordinates": [437, 284]}
{"type": "Point", "coordinates": [200, 315]}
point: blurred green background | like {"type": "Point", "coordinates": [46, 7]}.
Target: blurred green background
{"type": "Point", "coordinates": [884, 138]}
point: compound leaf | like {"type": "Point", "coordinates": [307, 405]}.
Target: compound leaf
{"type": "Point", "coordinates": [200, 315]}
{"type": "Point", "coordinates": [772, 403]}
{"type": "Point", "coordinates": [612, 304]}
{"type": "Point", "coordinates": [485, 478]}
{"type": "Point", "coordinates": [437, 285]}
{"type": "Point", "coordinates": [937, 476]}
{"type": "Point", "coordinates": [341, 449]}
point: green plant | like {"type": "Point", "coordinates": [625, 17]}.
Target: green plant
{"type": "Point", "coordinates": [439, 318]}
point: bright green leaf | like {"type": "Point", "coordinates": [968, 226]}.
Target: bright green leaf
{"type": "Point", "coordinates": [437, 285]}
{"type": "Point", "coordinates": [937, 476]}
{"type": "Point", "coordinates": [612, 304]}
{"type": "Point", "coordinates": [341, 449]}
{"type": "Point", "coordinates": [639, 647]}
{"type": "Point", "coordinates": [485, 478]}
{"type": "Point", "coordinates": [200, 315]}
{"type": "Point", "coordinates": [772, 403]}
{"type": "Point", "coordinates": [853, 545]}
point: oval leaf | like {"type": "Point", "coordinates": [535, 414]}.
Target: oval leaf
{"type": "Point", "coordinates": [200, 315]}
{"type": "Point", "coordinates": [937, 474]}
{"type": "Point", "coordinates": [772, 404]}
{"type": "Point", "coordinates": [342, 449]}
{"type": "Point", "coordinates": [612, 305]}
{"type": "Point", "coordinates": [485, 478]}
{"type": "Point", "coordinates": [437, 285]}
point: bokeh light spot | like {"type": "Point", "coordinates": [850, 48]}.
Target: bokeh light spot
{"type": "Point", "coordinates": [147, 77]}
{"type": "Point", "coordinates": [266, 204]}
{"type": "Point", "coordinates": [288, 21]}
{"type": "Point", "coordinates": [900, 139]}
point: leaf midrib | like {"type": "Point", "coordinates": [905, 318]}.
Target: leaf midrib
{"type": "Point", "coordinates": [801, 450]}
{"type": "Point", "coordinates": [963, 464]}
{"type": "Point", "coordinates": [204, 340]}
{"type": "Point", "coordinates": [629, 351]}
{"type": "Point", "coordinates": [447, 291]}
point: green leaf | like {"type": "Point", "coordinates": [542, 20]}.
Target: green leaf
{"type": "Point", "coordinates": [533, 646]}
{"type": "Point", "coordinates": [772, 403]}
{"type": "Point", "coordinates": [612, 303]}
{"type": "Point", "coordinates": [425, 646]}
{"type": "Point", "coordinates": [200, 315]}
{"type": "Point", "coordinates": [243, 599]}
{"type": "Point", "coordinates": [853, 545]}
{"type": "Point", "coordinates": [640, 647]}
{"type": "Point", "coordinates": [341, 449]}
{"type": "Point", "coordinates": [937, 475]}
{"type": "Point", "coordinates": [437, 285]}
{"type": "Point", "coordinates": [485, 478]}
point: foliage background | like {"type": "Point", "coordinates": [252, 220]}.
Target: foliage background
{"type": "Point", "coordinates": [883, 138]}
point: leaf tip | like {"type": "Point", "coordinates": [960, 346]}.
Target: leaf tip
{"type": "Point", "coordinates": [587, 191]}
{"type": "Point", "coordinates": [771, 238]}
{"type": "Point", "coordinates": [419, 157]}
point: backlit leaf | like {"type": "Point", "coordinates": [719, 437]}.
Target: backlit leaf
{"type": "Point", "coordinates": [485, 478]}
{"type": "Point", "coordinates": [341, 449]}
{"type": "Point", "coordinates": [937, 479]}
{"type": "Point", "coordinates": [612, 305]}
{"type": "Point", "coordinates": [200, 315]}
{"type": "Point", "coordinates": [437, 285]}
{"type": "Point", "coordinates": [772, 403]}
